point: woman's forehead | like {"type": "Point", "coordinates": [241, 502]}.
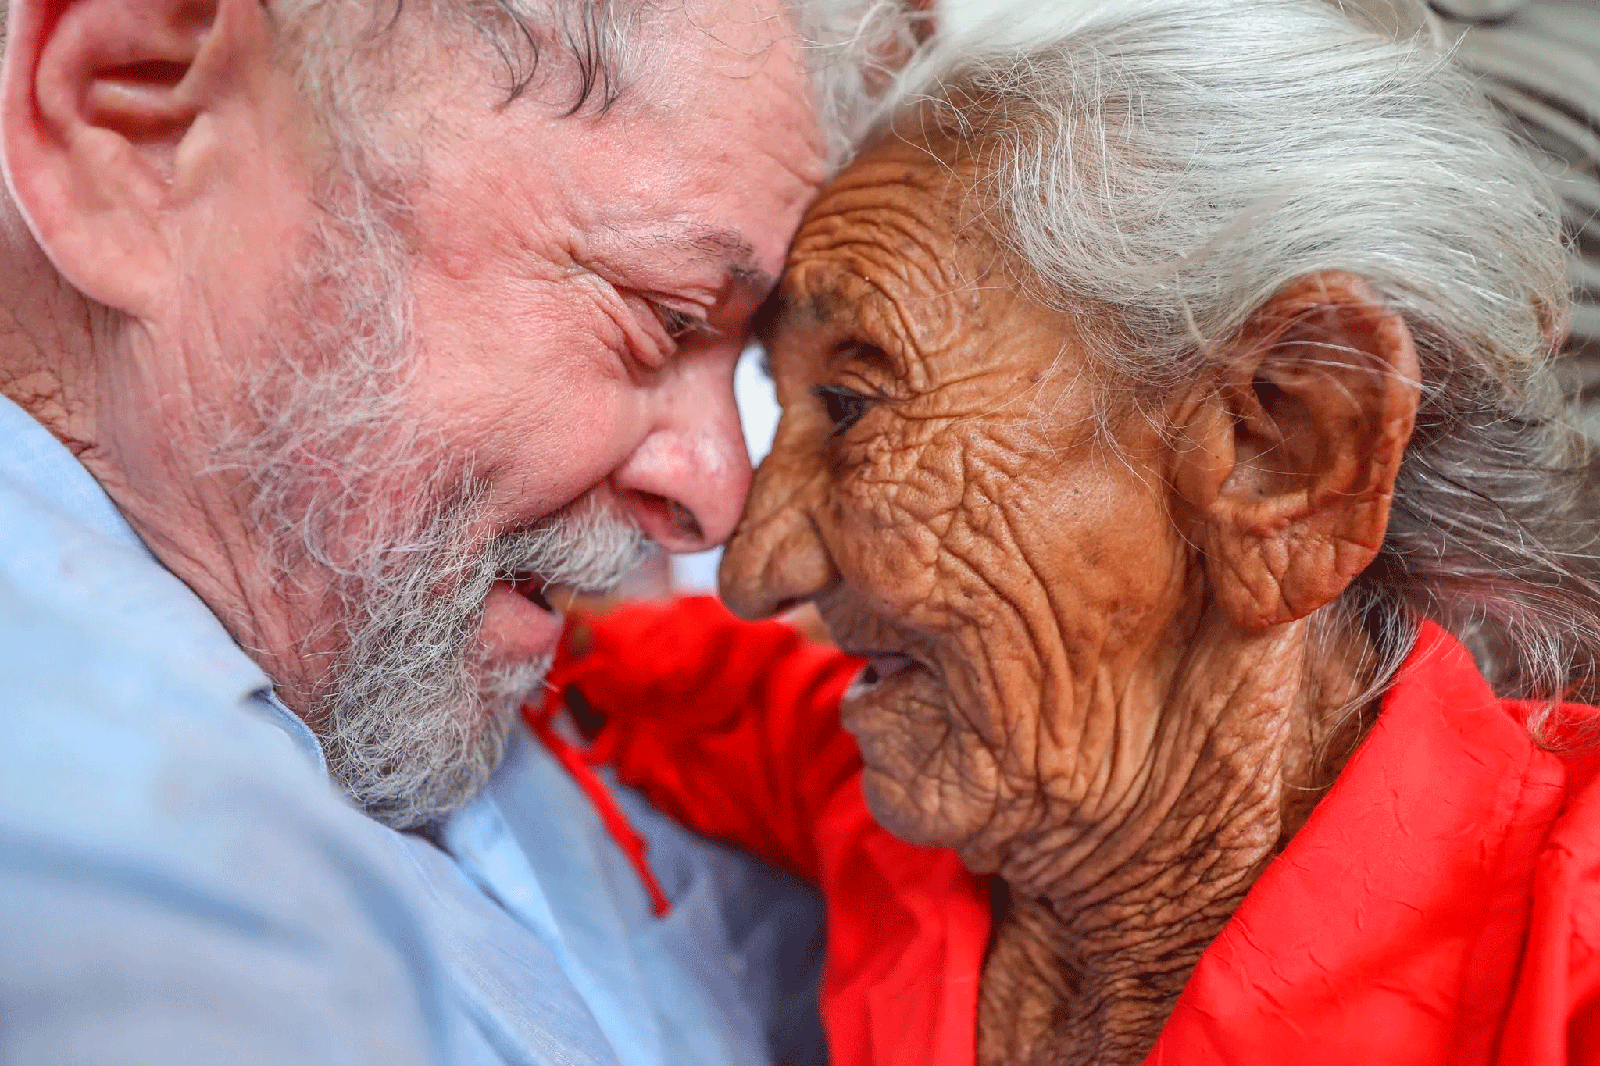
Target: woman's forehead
{"type": "Point", "coordinates": [898, 223]}
{"type": "Point", "coordinates": [896, 262]}
{"type": "Point", "coordinates": [931, 172]}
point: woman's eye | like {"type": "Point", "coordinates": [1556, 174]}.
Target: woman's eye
{"type": "Point", "coordinates": [844, 406]}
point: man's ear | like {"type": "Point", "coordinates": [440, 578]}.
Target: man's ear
{"type": "Point", "coordinates": [99, 104]}
{"type": "Point", "coordinates": [1288, 465]}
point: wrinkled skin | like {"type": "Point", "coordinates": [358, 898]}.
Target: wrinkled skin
{"type": "Point", "coordinates": [1094, 671]}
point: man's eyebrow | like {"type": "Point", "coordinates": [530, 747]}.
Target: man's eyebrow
{"type": "Point", "coordinates": [738, 257]}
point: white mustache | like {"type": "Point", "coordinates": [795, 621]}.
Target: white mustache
{"type": "Point", "coordinates": [586, 548]}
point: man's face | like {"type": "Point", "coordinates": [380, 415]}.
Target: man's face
{"type": "Point", "coordinates": [583, 287]}
{"type": "Point", "coordinates": [494, 363]}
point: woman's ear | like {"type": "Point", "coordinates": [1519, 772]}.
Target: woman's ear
{"type": "Point", "coordinates": [1288, 465]}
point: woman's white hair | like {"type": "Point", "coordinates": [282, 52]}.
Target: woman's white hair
{"type": "Point", "coordinates": [1163, 167]}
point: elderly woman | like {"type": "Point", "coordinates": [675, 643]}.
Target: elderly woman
{"type": "Point", "coordinates": [1167, 424]}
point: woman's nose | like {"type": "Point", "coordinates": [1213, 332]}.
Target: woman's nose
{"type": "Point", "coordinates": [777, 558]}
{"type": "Point", "coordinates": [686, 481]}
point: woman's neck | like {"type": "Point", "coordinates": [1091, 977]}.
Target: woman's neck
{"type": "Point", "coordinates": [1086, 967]}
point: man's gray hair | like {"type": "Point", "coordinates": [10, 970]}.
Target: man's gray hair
{"type": "Point", "coordinates": [852, 50]}
{"type": "Point", "coordinates": [1162, 167]}
{"type": "Point", "coordinates": [597, 47]}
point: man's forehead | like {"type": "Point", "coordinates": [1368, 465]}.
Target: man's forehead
{"type": "Point", "coordinates": [734, 78]}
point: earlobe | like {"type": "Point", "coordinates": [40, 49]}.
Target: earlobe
{"type": "Point", "coordinates": [1289, 464]}
{"type": "Point", "coordinates": [98, 96]}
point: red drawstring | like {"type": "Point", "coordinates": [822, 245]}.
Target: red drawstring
{"type": "Point", "coordinates": [542, 722]}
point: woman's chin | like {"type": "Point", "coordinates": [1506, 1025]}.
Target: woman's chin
{"type": "Point", "coordinates": [910, 804]}
{"type": "Point", "coordinates": [892, 716]}
{"type": "Point", "coordinates": [892, 809]}
{"type": "Point", "coordinates": [911, 741]}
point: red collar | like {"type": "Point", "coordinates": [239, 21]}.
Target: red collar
{"type": "Point", "coordinates": [1393, 926]}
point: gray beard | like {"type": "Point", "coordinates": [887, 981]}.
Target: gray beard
{"type": "Point", "coordinates": [375, 540]}
{"type": "Point", "coordinates": [413, 718]}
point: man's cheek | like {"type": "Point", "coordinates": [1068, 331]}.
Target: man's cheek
{"type": "Point", "coordinates": [536, 455]}
{"type": "Point", "coordinates": [532, 388]}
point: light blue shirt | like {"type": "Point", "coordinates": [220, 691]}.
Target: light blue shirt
{"type": "Point", "coordinates": [180, 884]}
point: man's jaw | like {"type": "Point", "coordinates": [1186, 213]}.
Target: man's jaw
{"type": "Point", "coordinates": [416, 721]}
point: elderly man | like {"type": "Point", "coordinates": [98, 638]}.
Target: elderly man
{"type": "Point", "coordinates": [333, 333]}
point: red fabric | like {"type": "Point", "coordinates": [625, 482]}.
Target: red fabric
{"type": "Point", "coordinates": [1442, 905]}
{"type": "Point", "coordinates": [733, 729]}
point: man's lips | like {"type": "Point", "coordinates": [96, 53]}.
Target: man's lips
{"type": "Point", "coordinates": [519, 623]}
{"type": "Point", "coordinates": [533, 587]}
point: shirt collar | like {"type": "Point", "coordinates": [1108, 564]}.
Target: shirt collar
{"type": "Point", "coordinates": [31, 457]}
{"type": "Point", "coordinates": [35, 462]}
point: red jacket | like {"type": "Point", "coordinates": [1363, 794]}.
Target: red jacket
{"type": "Point", "coordinates": [1442, 904]}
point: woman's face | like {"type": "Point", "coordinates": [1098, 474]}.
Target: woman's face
{"type": "Point", "coordinates": [941, 487]}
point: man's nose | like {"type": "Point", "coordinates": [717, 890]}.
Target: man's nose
{"type": "Point", "coordinates": [777, 558]}
{"type": "Point", "coordinates": [686, 481]}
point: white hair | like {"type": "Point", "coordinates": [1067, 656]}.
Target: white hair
{"type": "Point", "coordinates": [849, 49]}
{"type": "Point", "coordinates": [1161, 168]}
{"type": "Point", "coordinates": [852, 50]}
